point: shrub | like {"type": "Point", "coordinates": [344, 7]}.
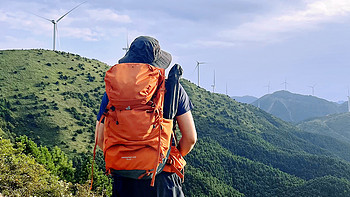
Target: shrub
{"type": "Point", "coordinates": [21, 175]}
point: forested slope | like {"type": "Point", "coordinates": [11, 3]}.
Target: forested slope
{"type": "Point", "coordinates": [53, 98]}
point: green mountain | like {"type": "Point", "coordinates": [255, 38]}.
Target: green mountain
{"type": "Point", "coordinates": [53, 97]}
{"type": "Point", "coordinates": [295, 107]}
{"type": "Point", "coordinates": [336, 126]}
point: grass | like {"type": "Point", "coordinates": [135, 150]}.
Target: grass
{"type": "Point", "coordinates": [41, 85]}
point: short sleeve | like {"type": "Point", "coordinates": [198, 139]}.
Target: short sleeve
{"type": "Point", "coordinates": [103, 106]}
{"type": "Point", "coordinates": [185, 103]}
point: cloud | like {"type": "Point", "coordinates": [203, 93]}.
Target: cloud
{"type": "Point", "coordinates": [88, 25]}
{"type": "Point", "coordinates": [278, 27]}
{"type": "Point", "coordinates": [319, 11]}
{"type": "Point", "coordinates": [107, 15]}
{"type": "Point", "coordinates": [86, 34]}
{"type": "Point", "coordinates": [11, 42]}
{"type": "Point", "coordinates": [23, 21]}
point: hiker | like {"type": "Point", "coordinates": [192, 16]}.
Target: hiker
{"type": "Point", "coordinates": [145, 49]}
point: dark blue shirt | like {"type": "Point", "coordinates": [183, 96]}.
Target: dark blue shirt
{"type": "Point", "coordinates": [184, 104]}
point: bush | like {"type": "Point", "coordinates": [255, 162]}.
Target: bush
{"type": "Point", "coordinates": [20, 175]}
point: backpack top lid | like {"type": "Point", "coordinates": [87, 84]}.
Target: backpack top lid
{"type": "Point", "coordinates": [133, 84]}
{"type": "Point", "coordinates": [145, 49]}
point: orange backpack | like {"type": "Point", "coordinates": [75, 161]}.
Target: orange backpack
{"type": "Point", "coordinates": [136, 136]}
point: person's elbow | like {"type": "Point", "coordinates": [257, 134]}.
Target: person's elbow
{"type": "Point", "coordinates": [99, 137]}
{"type": "Point", "coordinates": [188, 131]}
{"type": "Point", "coordinates": [192, 140]}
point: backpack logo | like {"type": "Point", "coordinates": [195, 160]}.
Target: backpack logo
{"type": "Point", "coordinates": [129, 158]}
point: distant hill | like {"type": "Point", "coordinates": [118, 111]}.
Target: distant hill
{"type": "Point", "coordinates": [245, 99]}
{"type": "Point", "coordinates": [295, 107]}
{"type": "Point", "coordinates": [344, 105]}
{"type": "Point", "coordinates": [53, 98]}
{"type": "Point", "coordinates": [336, 126]}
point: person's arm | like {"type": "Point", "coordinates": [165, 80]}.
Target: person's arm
{"type": "Point", "coordinates": [100, 127]}
{"type": "Point", "coordinates": [99, 132]}
{"type": "Point", "coordinates": [188, 131]}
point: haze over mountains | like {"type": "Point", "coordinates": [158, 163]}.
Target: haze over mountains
{"type": "Point", "coordinates": [53, 97]}
{"type": "Point", "coordinates": [336, 126]}
{"type": "Point", "coordinates": [293, 107]}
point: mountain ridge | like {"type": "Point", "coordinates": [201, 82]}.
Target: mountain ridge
{"type": "Point", "coordinates": [294, 107]}
{"type": "Point", "coordinates": [241, 149]}
{"type": "Point", "coordinates": [336, 126]}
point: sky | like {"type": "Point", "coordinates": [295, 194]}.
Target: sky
{"type": "Point", "coordinates": [253, 47]}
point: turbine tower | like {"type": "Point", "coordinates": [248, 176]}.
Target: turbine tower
{"type": "Point", "coordinates": [285, 84]}
{"type": "Point", "coordinates": [198, 64]}
{"type": "Point", "coordinates": [214, 83]}
{"type": "Point", "coordinates": [54, 22]}
{"type": "Point", "coordinates": [313, 89]}
{"type": "Point", "coordinates": [127, 44]}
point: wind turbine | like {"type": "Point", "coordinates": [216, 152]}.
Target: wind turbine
{"type": "Point", "coordinates": [127, 44]}
{"type": "Point", "coordinates": [198, 64]}
{"type": "Point", "coordinates": [313, 89]}
{"type": "Point", "coordinates": [285, 84]}
{"type": "Point", "coordinates": [214, 83]}
{"type": "Point", "coordinates": [54, 22]}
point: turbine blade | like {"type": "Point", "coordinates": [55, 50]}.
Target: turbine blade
{"type": "Point", "coordinates": [198, 63]}
{"type": "Point", "coordinates": [43, 17]}
{"type": "Point", "coordinates": [194, 70]}
{"type": "Point", "coordinates": [69, 11]}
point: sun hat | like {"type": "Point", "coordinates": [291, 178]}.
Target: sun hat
{"type": "Point", "coordinates": [145, 49]}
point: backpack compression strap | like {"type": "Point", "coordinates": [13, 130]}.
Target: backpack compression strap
{"type": "Point", "coordinates": [159, 119]}
{"type": "Point", "coordinates": [94, 155]}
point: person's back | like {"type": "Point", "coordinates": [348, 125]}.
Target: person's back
{"type": "Point", "coordinates": [146, 50]}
